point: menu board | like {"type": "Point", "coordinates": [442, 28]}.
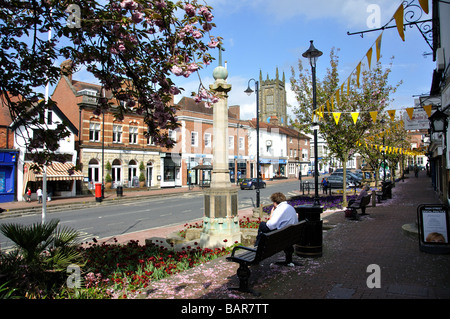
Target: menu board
{"type": "Point", "coordinates": [433, 227]}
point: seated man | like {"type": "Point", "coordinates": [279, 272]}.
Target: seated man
{"type": "Point", "coordinates": [357, 201]}
{"type": "Point", "coordinates": [282, 215]}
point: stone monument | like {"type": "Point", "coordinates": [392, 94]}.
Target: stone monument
{"type": "Point", "coordinates": [220, 220]}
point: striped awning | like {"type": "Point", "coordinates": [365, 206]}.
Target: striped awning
{"type": "Point", "coordinates": [55, 172]}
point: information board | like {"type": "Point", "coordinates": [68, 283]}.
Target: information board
{"type": "Point", "coordinates": [433, 228]}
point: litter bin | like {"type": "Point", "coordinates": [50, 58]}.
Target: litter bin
{"type": "Point", "coordinates": [119, 191]}
{"type": "Point", "coordinates": [98, 192]}
{"type": "Point", "coordinates": [310, 244]}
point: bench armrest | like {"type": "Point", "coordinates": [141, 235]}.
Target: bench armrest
{"type": "Point", "coordinates": [242, 247]}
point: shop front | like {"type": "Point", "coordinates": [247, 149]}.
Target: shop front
{"type": "Point", "coordinates": [61, 179]}
{"type": "Point", "coordinates": [171, 173]}
{"type": "Point", "coordinates": [7, 175]}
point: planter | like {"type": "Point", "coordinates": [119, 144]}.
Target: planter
{"type": "Point", "coordinates": [141, 184]}
{"type": "Point", "coordinates": [108, 185]}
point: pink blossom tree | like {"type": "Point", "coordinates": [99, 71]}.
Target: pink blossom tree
{"type": "Point", "coordinates": [133, 47]}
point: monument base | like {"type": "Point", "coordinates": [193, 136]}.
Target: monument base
{"type": "Point", "coordinates": [220, 232]}
{"type": "Point", "coordinates": [221, 220]}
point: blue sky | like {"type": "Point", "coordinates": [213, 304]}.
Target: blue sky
{"type": "Point", "coordinates": [266, 34]}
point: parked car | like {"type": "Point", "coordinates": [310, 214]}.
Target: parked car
{"type": "Point", "coordinates": [337, 181]}
{"type": "Point", "coordinates": [353, 178]}
{"type": "Point", "coordinates": [252, 183]}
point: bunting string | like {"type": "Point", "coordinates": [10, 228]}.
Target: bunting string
{"type": "Point", "coordinates": [398, 17]}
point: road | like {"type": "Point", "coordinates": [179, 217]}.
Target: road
{"type": "Point", "coordinates": [112, 220]}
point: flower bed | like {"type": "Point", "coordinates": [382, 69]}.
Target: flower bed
{"type": "Point", "coordinates": [121, 271]}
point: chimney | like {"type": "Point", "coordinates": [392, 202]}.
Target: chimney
{"type": "Point", "coordinates": [67, 69]}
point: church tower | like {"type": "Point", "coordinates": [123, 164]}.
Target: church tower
{"type": "Point", "coordinates": [272, 100]}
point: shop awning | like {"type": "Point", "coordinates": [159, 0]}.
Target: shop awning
{"type": "Point", "coordinates": [55, 172]}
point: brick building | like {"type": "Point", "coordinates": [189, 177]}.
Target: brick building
{"type": "Point", "coordinates": [8, 155]}
{"type": "Point", "coordinates": [120, 149]}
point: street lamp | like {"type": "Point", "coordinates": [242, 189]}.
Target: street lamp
{"type": "Point", "coordinates": [249, 91]}
{"type": "Point", "coordinates": [312, 54]}
{"type": "Point", "coordinates": [438, 122]}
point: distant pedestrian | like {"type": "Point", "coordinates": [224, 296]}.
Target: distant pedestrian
{"type": "Point", "coordinates": [325, 185]}
{"type": "Point", "coordinates": [39, 194]}
{"type": "Point", "coordinates": [28, 195]}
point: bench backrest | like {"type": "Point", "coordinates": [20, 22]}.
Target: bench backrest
{"type": "Point", "coordinates": [276, 241]}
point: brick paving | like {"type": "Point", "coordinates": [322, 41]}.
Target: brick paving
{"type": "Point", "coordinates": [342, 272]}
{"type": "Point", "coordinates": [349, 248]}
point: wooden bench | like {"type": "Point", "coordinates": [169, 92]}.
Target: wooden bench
{"type": "Point", "coordinates": [365, 201]}
{"type": "Point", "coordinates": [269, 244]}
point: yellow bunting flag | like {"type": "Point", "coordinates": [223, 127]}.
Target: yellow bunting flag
{"type": "Point", "coordinates": [398, 16]}
{"type": "Point", "coordinates": [427, 109]}
{"type": "Point", "coordinates": [342, 89]}
{"type": "Point", "coordinates": [424, 5]}
{"type": "Point", "coordinates": [358, 71]}
{"type": "Point", "coordinates": [369, 56]}
{"type": "Point", "coordinates": [320, 114]}
{"type": "Point", "coordinates": [374, 116]}
{"type": "Point", "coordinates": [328, 105]}
{"type": "Point", "coordinates": [391, 114]}
{"type": "Point", "coordinates": [378, 45]}
{"type": "Point", "coordinates": [410, 111]}
{"type": "Point", "coordinates": [337, 97]}
{"type": "Point", "coordinates": [337, 116]}
{"type": "Point", "coordinates": [355, 116]}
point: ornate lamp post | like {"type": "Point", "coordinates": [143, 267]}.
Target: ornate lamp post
{"type": "Point", "coordinates": [310, 245]}
{"type": "Point", "coordinates": [249, 91]}
{"type": "Point", "coordinates": [312, 54]}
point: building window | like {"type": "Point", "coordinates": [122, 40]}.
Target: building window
{"type": "Point", "coordinates": [241, 143]}
{"type": "Point", "coordinates": [231, 142]}
{"type": "Point", "coordinates": [117, 133]}
{"type": "Point", "coordinates": [207, 140]}
{"type": "Point", "coordinates": [150, 140]}
{"type": "Point", "coordinates": [194, 138]}
{"type": "Point", "coordinates": [172, 135]}
{"type": "Point", "coordinates": [94, 171]}
{"type": "Point", "coordinates": [49, 117]}
{"type": "Point", "coordinates": [94, 132]}
{"type": "Point", "coordinates": [133, 136]}
{"type": "Point", "coordinates": [132, 174]}
{"type": "Point", "coordinates": [116, 172]}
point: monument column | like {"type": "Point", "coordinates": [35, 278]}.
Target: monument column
{"type": "Point", "coordinates": [220, 220]}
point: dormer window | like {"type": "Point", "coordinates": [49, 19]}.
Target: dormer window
{"type": "Point", "coordinates": [88, 92]}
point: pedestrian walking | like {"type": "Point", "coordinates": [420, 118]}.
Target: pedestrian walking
{"type": "Point", "coordinates": [28, 195]}
{"type": "Point", "coordinates": [39, 194]}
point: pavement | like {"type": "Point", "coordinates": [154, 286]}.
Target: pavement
{"type": "Point", "coordinates": [376, 257]}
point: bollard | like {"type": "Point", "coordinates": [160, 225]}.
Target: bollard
{"type": "Point", "coordinates": [310, 244]}
{"type": "Point", "coordinates": [119, 191]}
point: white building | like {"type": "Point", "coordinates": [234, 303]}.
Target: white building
{"type": "Point", "coordinates": [61, 177]}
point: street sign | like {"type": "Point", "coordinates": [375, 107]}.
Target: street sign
{"type": "Point", "coordinates": [433, 228]}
